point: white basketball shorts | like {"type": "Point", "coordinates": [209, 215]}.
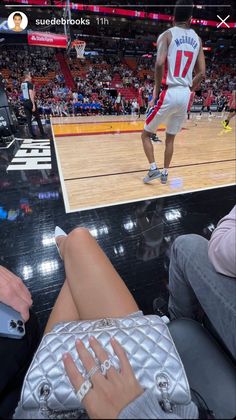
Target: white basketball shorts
{"type": "Point", "coordinates": [171, 109]}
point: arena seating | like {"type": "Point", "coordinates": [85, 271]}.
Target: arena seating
{"type": "Point", "coordinates": [69, 80]}
{"type": "Point", "coordinates": [59, 79]}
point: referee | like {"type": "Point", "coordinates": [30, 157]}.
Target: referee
{"type": "Point", "coordinates": [29, 103]}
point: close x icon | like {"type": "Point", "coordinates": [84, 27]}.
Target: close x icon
{"type": "Point", "coordinates": [223, 22]}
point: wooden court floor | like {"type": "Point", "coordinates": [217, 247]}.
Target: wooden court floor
{"type": "Point", "coordinates": [101, 160]}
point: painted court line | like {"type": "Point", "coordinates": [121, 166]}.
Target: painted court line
{"type": "Point", "coordinates": [150, 198]}
{"type": "Point", "coordinates": [145, 170]}
{"type": "Point", "coordinates": [6, 147]}
{"type": "Point", "coordinates": [97, 133]}
{"type": "Point", "coordinates": [168, 192]}
{"type": "Point", "coordinates": [100, 122]}
{"type": "Point", "coordinates": [63, 186]}
{"type": "Point", "coordinates": [31, 138]}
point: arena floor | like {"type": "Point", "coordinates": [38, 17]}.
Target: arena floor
{"type": "Point", "coordinates": [101, 160]}
{"type": "Point", "coordinates": [135, 236]}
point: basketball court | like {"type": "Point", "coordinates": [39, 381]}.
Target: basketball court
{"type": "Point", "coordinates": [101, 160]}
{"type": "Point", "coordinates": [84, 172]}
{"type": "Point", "coordinates": [89, 170]}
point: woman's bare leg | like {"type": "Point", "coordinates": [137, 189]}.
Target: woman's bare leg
{"type": "Point", "coordinates": [96, 288]}
{"type": "Point", "coordinates": [64, 309]}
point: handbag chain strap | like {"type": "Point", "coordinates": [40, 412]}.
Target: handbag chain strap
{"type": "Point", "coordinates": [44, 393]}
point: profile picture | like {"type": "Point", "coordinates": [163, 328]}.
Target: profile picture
{"type": "Point", "coordinates": [17, 21]}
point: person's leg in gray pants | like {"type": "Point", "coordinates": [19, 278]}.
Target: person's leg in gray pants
{"type": "Point", "coordinates": [193, 282]}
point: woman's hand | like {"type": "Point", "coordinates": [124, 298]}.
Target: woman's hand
{"type": "Point", "coordinates": [111, 393]}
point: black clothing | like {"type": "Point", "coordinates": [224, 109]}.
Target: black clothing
{"type": "Point", "coordinates": [15, 357]}
{"type": "Point", "coordinates": [28, 105]}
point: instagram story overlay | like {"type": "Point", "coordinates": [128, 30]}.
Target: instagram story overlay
{"type": "Point", "coordinates": [17, 21]}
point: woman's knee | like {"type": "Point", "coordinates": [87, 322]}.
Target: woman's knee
{"type": "Point", "coordinates": [76, 237]}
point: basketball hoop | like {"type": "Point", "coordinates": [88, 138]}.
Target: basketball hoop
{"type": "Point", "coordinates": [79, 47]}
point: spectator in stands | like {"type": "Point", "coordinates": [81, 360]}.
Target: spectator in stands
{"type": "Point", "coordinates": [75, 96]}
{"type": "Point", "coordinates": [100, 71]}
{"type": "Point", "coordinates": [118, 104]}
{"type": "Point", "coordinates": [134, 107]}
{"type": "Point", "coordinates": [203, 275]}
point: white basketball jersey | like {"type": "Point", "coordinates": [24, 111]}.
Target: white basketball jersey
{"type": "Point", "coordinates": [182, 55]}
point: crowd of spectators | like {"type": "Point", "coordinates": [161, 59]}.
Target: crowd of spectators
{"type": "Point", "coordinates": [101, 83]}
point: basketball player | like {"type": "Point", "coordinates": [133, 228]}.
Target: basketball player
{"type": "Point", "coordinates": [207, 102]}
{"type": "Point", "coordinates": [118, 104]}
{"type": "Point", "coordinates": [29, 104]}
{"type": "Point", "coordinates": [232, 111]}
{"type": "Point", "coordinates": [140, 100]}
{"type": "Point", "coordinates": [179, 52]}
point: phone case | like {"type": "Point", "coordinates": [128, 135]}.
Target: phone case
{"type": "Point", "coordinates": [11, 323]}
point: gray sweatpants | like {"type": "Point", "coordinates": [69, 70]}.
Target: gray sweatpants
{"type": "Point", "coordinates": [193, 281]}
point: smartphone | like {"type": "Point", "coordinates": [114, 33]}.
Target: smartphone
{"type": "Point", "coordinates": [11, 323]}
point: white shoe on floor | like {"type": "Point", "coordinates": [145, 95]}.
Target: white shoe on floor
{"type": "Point", "coordinates": [58, 232]}
{"type": "Point", "coordinates": [152, 174]}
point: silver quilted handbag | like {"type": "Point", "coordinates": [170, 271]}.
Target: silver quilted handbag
{"type": "Point", "coordinates": [149, 347]}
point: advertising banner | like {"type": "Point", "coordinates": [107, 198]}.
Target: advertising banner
{"type": "Point", "coordinates": [46, 39]}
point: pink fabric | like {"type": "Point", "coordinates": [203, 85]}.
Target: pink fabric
{"type": "Point", "coordinates": [222, 245]}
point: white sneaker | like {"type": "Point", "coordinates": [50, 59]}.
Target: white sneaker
{"type": "Point", "coordinates": [151, 175]}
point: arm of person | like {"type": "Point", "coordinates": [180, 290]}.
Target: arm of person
{"type": "Point", "coordinates": [14, 293]}
{"type": "Point", "coordinates": [162, 51]}
{"type": "Point", "coordinates": [199, 69]}
{"type": "Point", "coordinates": [118, 394]}
{"type": "Point", "coordinates": [32, 97]}
{"type": "Point", "coordinates": [222, 245]}
{"type": "Point", "coordinates": [144, 407]}
{"type": "Point", "coordinates": [147, 407]}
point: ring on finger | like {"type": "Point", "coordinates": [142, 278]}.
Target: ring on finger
{"type": "Point", "coordinates": [92, 372]}
{"type": "Point", "coordinates": [83, 390]}
{"type": "Point", "coordinates": [105, 366]}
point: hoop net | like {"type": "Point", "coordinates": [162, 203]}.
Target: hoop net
{"type": "Point", "coordinates": [79, 47]}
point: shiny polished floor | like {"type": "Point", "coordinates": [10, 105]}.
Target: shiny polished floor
{"type": "Point", "coordinates": [102, 163]}
{"type": "Point", "coordinates": [136, 236]}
